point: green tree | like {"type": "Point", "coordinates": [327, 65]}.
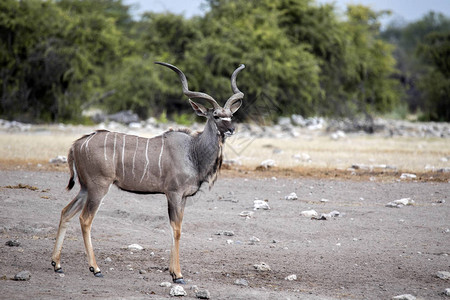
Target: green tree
{"type": "Point", "coordinates": [50, 66]}
{"type": "Point", "coordinates": [412, 67]}
{"type": "Point", "coordinates": [279, 74]}
{"type": "Point", "coordinates": [435, 84]}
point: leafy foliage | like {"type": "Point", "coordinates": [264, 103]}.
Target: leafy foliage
{"type": "Point", "coordinates": [301, 58]}
{"type": "Point", "coordinates": [422, 60]}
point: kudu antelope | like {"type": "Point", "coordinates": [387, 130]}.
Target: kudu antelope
{"type": "Point", "coordinates": [175, 163]}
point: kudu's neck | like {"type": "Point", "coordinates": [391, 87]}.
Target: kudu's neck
{"type": "Point", "coordinates": [208, 151]}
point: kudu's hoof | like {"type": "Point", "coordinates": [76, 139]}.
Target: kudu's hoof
{"type": "Point", "coordinates": [57, 270]}
{"type": "Point", "coordinates": [96, 274]}
{"type": "Point", "coordinates": [179, 281]}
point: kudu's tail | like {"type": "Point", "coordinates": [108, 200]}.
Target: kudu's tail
{"type": "Point", "coordinates": [72, 170]}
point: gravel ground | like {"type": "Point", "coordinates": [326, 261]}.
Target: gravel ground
{"type": "Point", "coordinates": [369, 251]}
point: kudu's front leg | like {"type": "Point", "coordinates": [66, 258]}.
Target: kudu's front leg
{"type": "Point", "coordinates": [176, 209]}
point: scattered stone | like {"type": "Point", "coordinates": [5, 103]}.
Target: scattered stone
{"type": "Point", "coordinates": [124, 117]}
{"type": "Point", "coordinates": [309, 213]}
{"type": "Point", "coordinates": [447, 292]}
{"type": "Point", "coordinates": [177, 291]}
{"type": "Point", "coordinates": [108, 259]}
{"type": "Point", "coordinates": [135, 125]}
{"type": "Point", "coordinates": [261, 204]}
{"type": "Point", "coordinates": [225, 232]}
{"type": "Point", "coordinates": [408, 176]}
{"type": "Point", "coordinates": [443, 275]}
{"type": "Point", "coordinates": [324, 200]}
{"type": "Point", "coordinates": [268, 163]}
{"type": "Point", "coordinates": [337, 135]}
{"type": "Point", "coordinates": [241, 281]}
{"type": "Point", "coordinates": [141, 271]}
{"type": "Point", "coordinates": [262, 267]}
{"type": "Point", "coordinates": [441, 201]}
{"type": "Point", "coordinates": [230, 242]}
{"type": "Point", "coordinates": [60, 159]}
{"type": "Point", "coordinates": [302, 157]}
{"type": "Point", "coordinates": [254, 240]}
{"type": "Point", "coordinates": [400, 203]}
{"type": "Point", "coordinates": [404, 297]}
{"type": "Point", "coordinates": [135, 247]}
{"type": "Point", "coordinates": [165, 284]}
{"type": "Point", "coordinates": [22, 276]}
{"type": "Point", "coordinates": [328, 216]}
{"type": "Point", "coordinates": [13, 243]}
{"type": "Point", "coordinates": [246, 214]}
{"type": "Point", "coordinates": [291, 196]}
{"type": "Point", "coordinates": [334, 213]}
{"type": "Point", "coordinates": [291, 277]}
{"type": "Point", "coordinates": [203, 294]}
{"type": "Point", "coordinates": [194, 288]}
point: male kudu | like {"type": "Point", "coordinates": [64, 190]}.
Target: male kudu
{"type": "Point", "coordinates": [175, 163]}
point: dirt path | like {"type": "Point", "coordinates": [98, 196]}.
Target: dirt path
{"type": "Point", "coordinates": [369, 252]}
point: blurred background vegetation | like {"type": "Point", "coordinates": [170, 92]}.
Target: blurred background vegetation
{"type": "Point", "coordinates": [58, 58]}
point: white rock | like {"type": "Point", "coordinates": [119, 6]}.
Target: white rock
{"type": "Point", "coordinates": [302, 157]}
{"type": "Point", "coordinates": [337, 135]}
{"type": "Point", "coordinates": [22, 276]}
{"type": "Point", "coordinates": [260, 204]}
{"type": "Point", "coordinates": [335, 213]}
{"type": "Point", "coordinates": [291, 196]}
{"type": "Point", "coordinates": [203, 294]}
{"type": "Point", "coordinates": [241, 281]}
{"type": "Point", "coordinates": [177, 291]}
{"type": "Point", "coordinates": [408, 176]}
{"type": "Point", "coordinates": [443, 275]}
{"type": "Point", "coordinates": [135, 125]}
{"type": "Point", "coordinates": [268, 163]}
{"type": "Point", "coordinates": [404, 297]}
{"type": "Point", "coordinates": [447, 292]}
{"type": "Point", "coordinates": [254, 240]}
{"type": "Point", "coordinates": [60, 159]}
{"type": "Point", "coordinates": [135, 247]}
{"type": "Point", "coordinates": [324, 200]}
{"type": "Point", "coordinates": [229, 242]}
{"type": "Point", "coordinates": [291, 277]}
{"type": "Point", "coordinates": [246, 213]}
{"type": "Point", "coordinates": [262, 267]}
{"type": "Point", "coordinates": [404, 201]}
{"type": "Point", "coordinates": [165, 284]}
{"type": "Point", "coordinates": [400, 202]}
{"type": "Point", "coordinates": [309, 213]}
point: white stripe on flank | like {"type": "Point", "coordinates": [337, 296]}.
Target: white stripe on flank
{"type": "Point", "coordinates": [134, 156]}
{"type": "Point", "coordinates": [123, 156]}
{"type": "Point", "coordinates": [146, 160]}
{"type": "Point", "coordinates": [89, 139]}
{"type": "Point", "coordinates": [104, 145]}
{"type": "Point", "coordinates": [114, 153]}
{"type": "Point", "coordinates": [160, 155]}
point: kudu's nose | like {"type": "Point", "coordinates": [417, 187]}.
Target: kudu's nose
{"type": "Point", "coordinates": [230, 131]}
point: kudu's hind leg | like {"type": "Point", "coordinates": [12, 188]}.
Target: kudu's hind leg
{"type": "Point", "coordinates": [66, 214]}
{"type": "Point", "coordinates": [176, 210]}
{"type": "Point", "coordinates": [94, 199]}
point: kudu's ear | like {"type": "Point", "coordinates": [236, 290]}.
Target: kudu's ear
{"type": "Point", "coordinates": [199, 109]}
{"type": "Point", "coordinates": [235, 106]}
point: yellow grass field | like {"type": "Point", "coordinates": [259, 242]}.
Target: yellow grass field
{"type": "Point", "coordinates": [314, 151]}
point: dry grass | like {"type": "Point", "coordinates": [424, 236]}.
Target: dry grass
{"type": "Point", "coordinates": [328, 158]}
{"type": "Point", "coordinates": [409, 154]}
